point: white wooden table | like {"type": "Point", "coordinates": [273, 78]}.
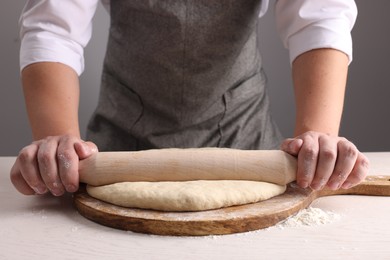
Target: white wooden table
{"type": "Point", "coordinates": [45, 227]}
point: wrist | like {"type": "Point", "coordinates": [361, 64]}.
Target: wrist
{"type": "Point", "coordinates": [333, 131]}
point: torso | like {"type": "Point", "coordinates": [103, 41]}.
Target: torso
{"type": "Point", "coordinates": [183, 74]}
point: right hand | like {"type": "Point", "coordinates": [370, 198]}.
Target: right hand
{"type": "Point", "coordinates": [50, 164]}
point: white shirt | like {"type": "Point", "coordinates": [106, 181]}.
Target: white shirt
{"type": "Point", "coordinates": [58, 30]}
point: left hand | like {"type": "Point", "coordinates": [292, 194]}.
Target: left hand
{"type": "Point", "coordinates": [325, 160]}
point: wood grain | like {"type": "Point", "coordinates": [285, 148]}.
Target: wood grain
{"type": "Point", "coordinates": [221, 221]}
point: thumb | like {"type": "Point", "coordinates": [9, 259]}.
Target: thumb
{"type": "Point", "coordinates": [292, 146]}
{"type": "Point", "coordinates": [85, 149]}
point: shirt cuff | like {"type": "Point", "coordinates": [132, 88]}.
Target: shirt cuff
{"type": "Point", "coordinates": [42, 47]}
{"type": "Point", "coordinates": [321, 35]}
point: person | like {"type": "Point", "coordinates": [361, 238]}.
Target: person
{"type": "Point", "coordinates": [184, 74]}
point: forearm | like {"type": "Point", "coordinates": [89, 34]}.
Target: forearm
{"type": "Point", "coordinates": [319, 78]}
{"type": "Point", "coordinates": [51, 93]}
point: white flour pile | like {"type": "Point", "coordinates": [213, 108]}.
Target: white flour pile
{"type": "Point", "coordinates": [309, 217]}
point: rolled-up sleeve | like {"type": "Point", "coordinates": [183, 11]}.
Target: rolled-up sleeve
{"type": "Point", "coordinates": [304, 25]}
{"type": "Point", "coordinates": [56, 31]}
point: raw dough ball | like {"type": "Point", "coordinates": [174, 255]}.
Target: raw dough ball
{"type": "Point", "coordinates": [185, 196]}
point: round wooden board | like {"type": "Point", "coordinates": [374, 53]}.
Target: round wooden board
{"type": "Point", "coordinates": [211, 222]}
{"type": "Point", "coordinates": [220, 221]}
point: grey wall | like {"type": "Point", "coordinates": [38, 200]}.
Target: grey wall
{"type": "Point", "coordinates": [365, 120]}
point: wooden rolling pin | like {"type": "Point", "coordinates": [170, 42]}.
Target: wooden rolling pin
{"type": "Point", "coordinates": [188, 164]}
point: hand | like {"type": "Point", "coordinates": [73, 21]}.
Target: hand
{"type": "Point", "coordinates": [50, 164]}
{"type": "Point", "coordinates": [325, 160]}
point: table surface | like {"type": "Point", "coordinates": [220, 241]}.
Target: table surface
{"type": "Point", "coordinates": [45, 227]}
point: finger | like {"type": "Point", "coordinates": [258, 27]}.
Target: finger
{"type": "Point", "coordinates": [19, 182]}
{"type": "Point", "coordinates": [358, 173]}
{"type": "Point", "coordinates": [68, 164]}
{"type": "Point", "coordinates": [326, 161]}
{"type": "Point", "coordinates": [292, 146]}
{"type": "Point", "coordinates": [346, 158]}
{"type": "Point", "coordinates": [47, 164]}
{"type": "Point", "coordinates": [307, 161]}
{"type": "Point", "coordinates": [28, 169]}
{"type": "Point", "coordinates": [85, 149]}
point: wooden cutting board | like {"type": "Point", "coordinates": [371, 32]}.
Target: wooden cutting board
{"type": "Point", "coordinates": [220, 221]}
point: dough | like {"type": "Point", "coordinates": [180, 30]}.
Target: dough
{"type": "Point", "coordinates": [185, 196]}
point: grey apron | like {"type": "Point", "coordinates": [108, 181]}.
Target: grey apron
{"type": "Point", "coordinates": [183, 73]}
